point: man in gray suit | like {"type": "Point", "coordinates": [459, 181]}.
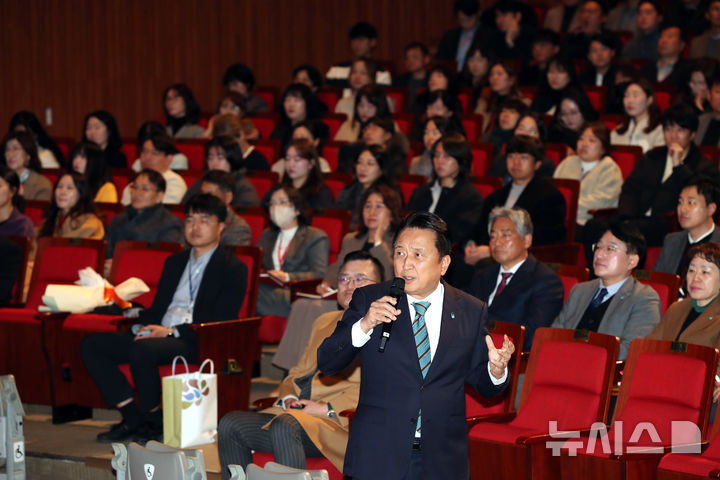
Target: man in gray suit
{"type": "Point", "coordinates": [615, 303]}
{"type": "Point", "coordinates": [697, 205]}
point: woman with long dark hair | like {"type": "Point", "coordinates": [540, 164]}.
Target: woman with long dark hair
{"type": "Point", "coordinates": [302, 172]}
{"type": "Point", "coordinates": [370, 101]}
{"type": "Point", "coordinates": [641, 125]}
{"type": "Point", "coordinates": [71, 213]}
{"type": "Point", "coordinates": [20, 156]}
{"type": "Point", "coordinates": [86, 158]}
{"type": "Point", "coordinates": [100, 127]}
{"type": "Point", "coordinates": [297, 104]}
{"type": "Point", "coordinates": [49, 154]}
{"type": "Point", "coordinates": [12, 220]}
{"type": "Point", "coordinates": [182, 112]}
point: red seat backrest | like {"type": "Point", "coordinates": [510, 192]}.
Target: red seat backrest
{"type": "Point", "coordinates": [24, 244]}
{"type": "Point", "coordinates": [663, 97]}
{"type": "Point", "coordinates": [270, 148]}
{"type": "Point", "coordinates": [570, 189]}
{"type": "Point", "coordinates": [336, 181]}
{"type": "Point", "coordinates": [465, 98]}
{"type": "Point", "coordinates": [408, 183]}
{"type": "Point", "coordinates": [472, 124]}
{"type": "Point", "coordinates": [626, 156]}
{"type": "Point", "coordinates": [191, 176]}
{"type": "Point", "coordinates": [597, 96]}
{"type": "Point", "coordinates": [256, 218]}
{"type": "Point", "coordinates": [106, 211]}
{"type": "Point", "coordinates": [52, 174]}
{"type": "Point", "coordinates": [58, 261]}
{"type": "Point", "coordinates": [482, 153]}
{"type": "Point", "coordinates": [252, 258]}
{"type": "Point", "coordinates": [556, 152]}
{"type": "Point", "coordinates": [329, 96]}
{"type": "Point", "coordinates": [487, 185]}
{"type": "Point", "coordinates": [269, 94]}
{"type": "Point", "coordinates": [333, 121]}
{"type": "Point", "coordinates": [651, 256]}
{"type": "Point", "coordinates": [398, 95]}
{"type": "Point", "coordinates": [330, 153]}
{"type": "Point", "coordinates": [35, 210]}
{"type": "Point", "coordinates": [667, 285]}
{"type": "Point", "coordinates": [144, 260]}
{"type": "Point", "coordinates": [265, 124]}
{"type": "Point", "coordinates": [194, 151]}
{"type": "Point", "coordinates": [336, 223]}
{"type": "Point", "coordinates": [712, 152]}
{"type": "Point", "coordinates": [129, 148]}
{"type": "Point", "coordinates": [262, 181]}
{"type": "Point", "coordinates": [121, 178]}
{"type": "Point", "coordinates": [404, 122]}
{"type": "Point", "coordinates": [568, 283]}
{"type": "Point", "coordinates": [611, 121]}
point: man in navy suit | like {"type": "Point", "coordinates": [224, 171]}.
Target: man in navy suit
{"type": "Point", "coordinates": [410, 420]}
{"type": "Point", "coordinates": [518, 288]}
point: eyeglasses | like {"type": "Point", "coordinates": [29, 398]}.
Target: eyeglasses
{"type": "Point", "coordinates": [359, 279]}
{"type": "Point", "coordinates": [609, 249]}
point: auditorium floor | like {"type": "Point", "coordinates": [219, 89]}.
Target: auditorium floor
{"type": "Point", "coordinates": [69, 451]}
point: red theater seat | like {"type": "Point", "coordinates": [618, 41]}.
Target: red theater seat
{"type": "Point", "coordinates": [256, 218]}
{"type": "Point", "coordinates": [194, 150]}
{"type": "Point", "coordinates": [408, 183]}
{"type": "Point", "coordinates": [482, 154]}
{"type": "Point", "coordinates": [571, 191]}
{"type": "Point", "coordinates": [667, 285]}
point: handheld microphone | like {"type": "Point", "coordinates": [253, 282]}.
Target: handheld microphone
{"type": "Point", "coordinates": [397, 290]}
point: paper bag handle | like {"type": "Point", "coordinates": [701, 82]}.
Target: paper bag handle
{"type": "Point", "coordinates": [212, 366]}
{"type": "Point", "coordinates": [187, 369]}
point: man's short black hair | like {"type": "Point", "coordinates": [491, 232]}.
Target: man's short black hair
{"type": "Point", "coordinates": [313, 74]}
{"type": "Point", "coordinates": [607, 39]}
{"type": "Point", "coordinates": [468, 7]}
{"type": "Point", "coordinates": [673, 24]}
{"type": "Point", "coordinates": [526, 144]}
{"type": "Point", "coordinates": [163, 143]}
{"type": "Point", "coordinates": [545, 35]}
{"type": "Point", "coordinates": [239, 72]}
{"type": "Point", "coordinates": [514, 103]}
{"type": "Point", "coordinates": [362, 30]}
{"type": "Point", "coordinates": [629, 234]}
{"type": "Point", "coordinates": [361, 256]}
{"type": "Point", "coordinates": [508, 6]}
{"type": "Point", "coordinates": [681, 115]}
{"type": "Point", "coordinates": [428, 221]}
{"type": "Point", "coordinates": [655, 4]}
{"type": "Point", "coordinates": [224, 180]}
{"type": "Point", "coordinates": [153, 177]}
{"type": "Point", "coordinates": [423, 48]}
{"type": "Point", "coordinates": [706, 187]}
{"type": "Point", "coordinates": [208, 204]}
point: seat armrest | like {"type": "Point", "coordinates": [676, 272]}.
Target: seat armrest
{"type": "Point", "coordinates": [492, 418]}
{"type": "Point", "coordinates": [263, 403]}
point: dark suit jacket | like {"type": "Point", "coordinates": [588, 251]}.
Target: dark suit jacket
{"type": "Point", "coordinates": [678, 77]}
{"type": "Point", "coordinates": [544, 203]}
{"type": "Point", "coordinates": [447, 48]}
{"type": "Point", "coordinates": [644, 188]}
{"type": "Point", "coordinates": [392, 389]}
{"type": "Point", "coordinates": [459, 206]}
{"type": "Point", "coordinates": [672, 250]}
{"type": "Point", "coordinates": [306, 257]}
{"type": "Point", "coordinates": [152, 224]}
{"type": "Point", "coordinates": [533, 297]}
{"type": "Point", "coordinates": [12, 262]}
{"type": "Point", "coordinates": [220, 294]}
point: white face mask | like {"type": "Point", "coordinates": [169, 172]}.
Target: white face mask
{"type": "Point", "coordinates": [282, 215]}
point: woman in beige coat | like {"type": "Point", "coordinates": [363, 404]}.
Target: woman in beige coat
{"type": "Point", "coordinates": [600, 177]}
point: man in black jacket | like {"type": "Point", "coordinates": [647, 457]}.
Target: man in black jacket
{"type": "Point", "coordinates": [203, 284]}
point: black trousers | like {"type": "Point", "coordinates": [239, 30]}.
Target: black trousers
{"type": "Point", "coordinates": [103, 352]}
{"type": "Point", "coordinates": [241, 432]}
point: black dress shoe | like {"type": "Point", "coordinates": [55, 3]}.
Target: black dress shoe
{"type": "Point", "coordinates": [149, 431]}
{"type": "Point", "coordinates": [121, 432]}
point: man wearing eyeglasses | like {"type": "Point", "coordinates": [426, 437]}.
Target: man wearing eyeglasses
{"type": "Point", "coordinates": [304, 420]}
{"type": "Point", "coordinates": [615, 303]}
{"type": "Point", "coordinates": [156, 153]}
{"type": "Point", "coordinates": [145, 219]}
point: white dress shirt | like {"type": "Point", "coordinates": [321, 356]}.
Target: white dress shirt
{"type": "Point", "coordinates": [512, 270]}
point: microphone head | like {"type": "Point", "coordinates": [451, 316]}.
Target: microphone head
{"type": "Point", "coordinates": [397, 288]}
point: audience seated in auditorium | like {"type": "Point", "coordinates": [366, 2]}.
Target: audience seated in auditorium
{"type": "Point", "coordinates": [221, 185]}
{"type": "Point", "coordinates": [182, 112]}
{"type": "Point", "coordinates": [297, 104]}
{"type": "Point", "coordinates": [304, 422]}
{"type": "Point", "coordinates": [20, 156]}
{"type": "Point", "coordinates": [545, 45]}
{"type": "Point", "coordinates": [696, 319]}
{"type": "Point", "coordinates": [455, 43]}
{"type": "Point", "coordinates": [145, 218]}
{"type": "Point", "coordinates": [417, 58]}
{"type": "Point", "coordinates": [532, 125]}
{"type": "Point", "coordinates": [100, 127]}
{"type": "Point", "coordinates": [574, 111]}
{"type": "Point", "coordinates": [200, 285]}
{"type": "Point", "coordinates": [156, 153]}
{"type": "Point", "coordinates": [148, 130]}
{"type": "Point", "coordinates": [600, 70]}
{"type": "Point", "coordinates": [12, 220]}
{"type": "Point", "coordinates": [593, 14]}
{"type": "Point", "coordinates": [600, 177]}
{"type": "Point", "coordinates": [615, 303]}
{"type": "Point", "coordinates": [563, 18]}
{"type": "Point", "coordinates": [503, 128]}
{"type": "Point", "coordinates": [302, 172]}
{"type": "Point", "coordinates": [436, 104]}
{"type": "Point", "coordinates": [71, 213]}
{"type": "Point", "coordinates": [308, 130]}
{"type": "Point", "coordinates": [223, 154]}
{"type": "Point", "coordinates": [641, 122]}
{"type": "Point", "coordinates": [560, 76]}
{"type": "Point", "coordinates": [623, 16]}
{"type": "Point", "coordinates": [48, 152]}
{"type": "Point", "coordinates": [292, 249]}
{"type": "Point", "coordinates": [518, 288]}
{"type": "Point", "coordinates": [696, 209]}
{"type": "Point", "coordinates": [512, 38]}
{"type": "Point", "coordinates": [240, 79]}
{"type": "Point", "coordinates": [450, 195]}
{"type": "Point", "coordinates": [370, 101]}
{"type": "Point", "coordinates": [654, 185]}
{"type": "Point", "coordinates": [708, 132]}
{"type": "Point", "coordinates": [87, 158]}
{"type": "Point", "coordinates": [363, 40]}
{"type": "Point", "coordinates": [240, 130]}
{"type": "Point", "coordinates": [708, 43]}
{"type": "Point", "coordinates": [544, 202]}
{"type": "Point", "coordinates": [644, 42]}
{"type": "Point", "coordinates": [11, 255]}
{"type": "Point", "coordinates": [503, 80]}
{"type": "Point", "coordinates": [670, 70]}
{"type": "Point", "coordinates": [374, 166]}
{"type": "Point", "coordinates": [231, 103]}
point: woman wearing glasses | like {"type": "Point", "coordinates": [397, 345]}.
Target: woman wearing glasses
{"type": "Point", "coordinates": [292, 250]}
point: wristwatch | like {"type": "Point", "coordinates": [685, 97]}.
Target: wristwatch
{"type": "Point", "coordinates": [331, 413]}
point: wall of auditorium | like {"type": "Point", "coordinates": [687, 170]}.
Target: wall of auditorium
{"type": "Point", "coordinates": [81, 55]}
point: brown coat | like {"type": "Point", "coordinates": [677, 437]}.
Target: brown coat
{"type": "Point", "coordinates": [342, 391]}
{"type": "Point", "coordinates": [705, 330]}
{"type": "Point", "coordinates": [87, 225]}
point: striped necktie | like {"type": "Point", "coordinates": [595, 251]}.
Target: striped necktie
{"type": "Point", "coordinates": [422, 344]}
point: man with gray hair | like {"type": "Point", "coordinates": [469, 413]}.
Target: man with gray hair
{"type": "Point", "coordinates": [518, 288]}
